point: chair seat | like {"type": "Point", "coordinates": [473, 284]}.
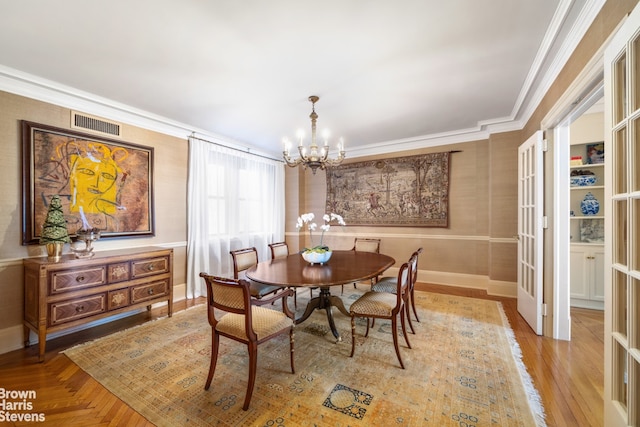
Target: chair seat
{"type": "Point", "coordinates": [259, 290]}
{"type": "Point", "coordinates": [374, 304]}
{"type": "Point", "coordinates": [386, 284]}
{"type": "Point", "coordinates": [265, 322]}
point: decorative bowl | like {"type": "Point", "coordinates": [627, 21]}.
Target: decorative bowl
{"type": "Point", "coordinates": [316, 257]}
{"type": "Point", "coordinates": [583, 180]}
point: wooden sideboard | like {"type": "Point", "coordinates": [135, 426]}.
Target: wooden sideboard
{"type": "Point", "coordinates": [71, 292]}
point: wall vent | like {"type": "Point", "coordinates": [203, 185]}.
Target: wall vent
{"type": "Point", "coordinates": [96, 124]}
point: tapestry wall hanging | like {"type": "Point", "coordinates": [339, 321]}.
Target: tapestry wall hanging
{"type": "Point", "coordinates": [102, 183]}
{"type": "Point", "coordinates": [403, 191]}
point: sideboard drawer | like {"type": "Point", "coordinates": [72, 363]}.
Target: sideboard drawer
{"type": "Point", "coordinates": [148, 267]}
{"type": "Point", "coordinates": [118, 272]}
{"type": "Point", "coordinates": [67, 311]}
{"type": "Point", "coordinates": [118, 299]}
{"type": "Point", "coordinates": [73, 280]}
{"type": "Point", "coordinates": [149, 291]}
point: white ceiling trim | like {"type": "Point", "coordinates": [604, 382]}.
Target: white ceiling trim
{"type": "Point", "coordinates": [587, 15]}
{"type": "Point", "coordinates": [30, 86]}
{"type": "Point", "coordinates": [554, 28]}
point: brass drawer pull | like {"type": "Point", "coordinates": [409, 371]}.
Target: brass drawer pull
{"type": "Point", "coordinates": [79, 309]}
{"type": "Point", "coordinates": [80, 279]}
{"type": "Point", "coordinates": [150, 267]}
{"type": "Point", "coordinates": [150, 291]}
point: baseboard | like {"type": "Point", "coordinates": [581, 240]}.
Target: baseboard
{"type": "Point", "coordinates": [502, 289]}
{"type": "Point", "coordinates": [11, 339]}
{"type": "Point", "coordinates": [179, 292]}
{"type": "Point", "coordinates": [473, 281]}
{"type": "Point", "coordinates": [585, 303]}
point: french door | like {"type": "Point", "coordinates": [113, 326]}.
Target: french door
{"type": "Point", "coordinates": [622, 227]}
{"type": "Point", "coordinates": [530, 209]}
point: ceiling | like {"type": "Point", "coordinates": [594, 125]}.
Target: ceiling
{"type": "Point", "coordinates": [387, 73]}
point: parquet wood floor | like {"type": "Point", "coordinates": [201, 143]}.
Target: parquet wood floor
{"type": "Point", "coordinates": [569, 375]}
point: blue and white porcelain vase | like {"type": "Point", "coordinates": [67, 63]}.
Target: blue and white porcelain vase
{"type": "Point", "coordinates": [589, 205]}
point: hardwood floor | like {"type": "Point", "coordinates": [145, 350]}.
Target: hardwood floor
{"type": "Point", "coordinates": [568, 375]}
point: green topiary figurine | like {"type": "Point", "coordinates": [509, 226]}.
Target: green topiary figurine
{"type": "Point", "coordinates": [54, 230]}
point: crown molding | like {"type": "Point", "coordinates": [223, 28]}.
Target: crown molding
{"type": "Point", "coordinates": [34, 87]}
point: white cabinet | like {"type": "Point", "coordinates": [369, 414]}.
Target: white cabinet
{"type": "Point", "coordinates": [587, 275]}
{"type": "Point", "coordinates": [586, 256]}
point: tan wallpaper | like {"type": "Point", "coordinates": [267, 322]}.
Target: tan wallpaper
{"type": "Point", "coordinates": [460, 248]}
{"type": "Point", "coordinates": [483, 192]}
{"type": "Point", "coordinates": [170, 181]}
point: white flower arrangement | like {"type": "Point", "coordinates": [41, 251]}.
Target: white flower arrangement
{"type": "Point", "coordinates": [307, 218]}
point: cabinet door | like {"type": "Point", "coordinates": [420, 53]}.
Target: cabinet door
{"type": "Point", "coordinates": [597, 291]}
{"type": "Point", "coordinates": [579, 273]}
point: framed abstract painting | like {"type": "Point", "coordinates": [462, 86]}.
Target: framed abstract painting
{"type": "Point", "coordinates": [104, 184]}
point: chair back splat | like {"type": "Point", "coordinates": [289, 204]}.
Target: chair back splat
{"type": "Point", "coordinates": [366, 245]}
{"type": "Point", "coordinates": [388, 284]}
{"type": "Point", "coordinates": [232, 313]}
{"type": "Point", "coordinates": [279, 250]}
{"type": "Point", "coordinates": [244, 259]}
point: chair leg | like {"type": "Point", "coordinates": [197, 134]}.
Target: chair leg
{"type": "Point", "coordinates": [404, 327]}
{"type": "Point", "coordinates": [394, 328]}
{"type": "Point", "coordinates": [353, 335]}
{"type": "Point", "coordinates": [410, 323]}
{"type": "Point", "coordinates": [291, 341]}
{"type": "Point", "coordinates": [215, 343]}
{"type": "Point", "coordinates": [413, 305]}
{"type": "Point", "coordinates": [367, 333]}
{"type": "Point", "coordinates": [408, 313]}
{"type": "Point", "coordinates": [253, 363]}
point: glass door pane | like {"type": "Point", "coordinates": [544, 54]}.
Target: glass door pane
{"type": "Point", "coordinates": [619, 89]}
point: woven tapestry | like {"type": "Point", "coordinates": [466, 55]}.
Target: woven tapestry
{"type": "Point", "coordinates": [403, 191]}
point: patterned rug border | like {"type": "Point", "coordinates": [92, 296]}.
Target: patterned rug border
{"type": "Point", "coordinates": [535, 400]}
{"type": "Point", "coordinates": [532, 394]}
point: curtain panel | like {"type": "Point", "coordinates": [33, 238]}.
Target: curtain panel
{"type": "Point", "coordinates": [235, 200]}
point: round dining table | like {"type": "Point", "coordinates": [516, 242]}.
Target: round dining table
{"type": "Point", "coordinates": [343, 267]}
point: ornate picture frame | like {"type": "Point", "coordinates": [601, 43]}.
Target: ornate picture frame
{"type": "Point", "coordinates": [103, 183]}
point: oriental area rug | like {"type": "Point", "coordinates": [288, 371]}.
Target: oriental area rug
{"type": "Point", "coordinates": [464, 369]}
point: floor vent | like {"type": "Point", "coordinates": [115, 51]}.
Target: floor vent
{"type": "Point", "coordinates": [83, 121]}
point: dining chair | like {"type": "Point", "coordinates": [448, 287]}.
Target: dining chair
{"type": "Point", "coordinates": [243, 259]}
{"type": "Point", "coordinates": [232, 313]}
{"type": "Point", "coordinates": [383, 305]}
{"type": "Point", "coordinates": [366, 245]}
{"type": "Point", "coordinates": [281, 250]}
{"type": "Point", "coordinates": [389, 284]}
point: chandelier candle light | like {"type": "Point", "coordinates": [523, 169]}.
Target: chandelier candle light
{"type": "Point", "coordinates": [316, 157]}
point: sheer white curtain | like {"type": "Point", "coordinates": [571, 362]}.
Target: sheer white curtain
{"type": "Point", "coordinates": [235, 200]}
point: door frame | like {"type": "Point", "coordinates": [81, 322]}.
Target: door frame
{"type": "Point", "coordinates": [582, 93]}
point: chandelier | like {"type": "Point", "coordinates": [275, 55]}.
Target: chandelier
{"type": "Point", "coordinates": [316, 157]}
